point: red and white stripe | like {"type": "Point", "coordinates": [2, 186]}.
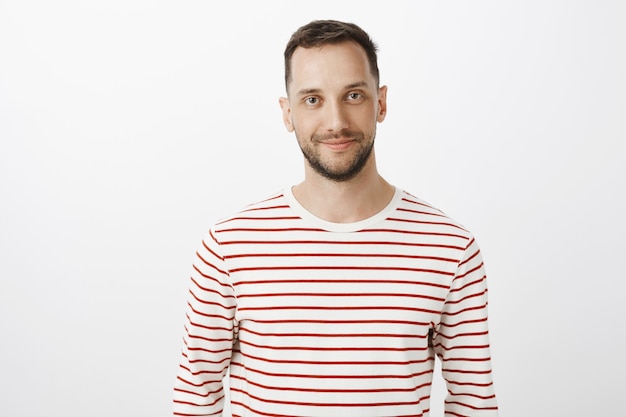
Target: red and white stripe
{"type": "Point", "coordinates": [322, 319]}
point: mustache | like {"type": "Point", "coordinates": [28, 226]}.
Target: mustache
{"type": "Point", "coordinates": [343, 134]}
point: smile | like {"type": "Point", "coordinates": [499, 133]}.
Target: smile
{"type": "Point", "coordinates": [338, 145]}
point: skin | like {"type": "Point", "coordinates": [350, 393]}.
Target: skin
{"type": "Point", "coordinates": [333, 105]}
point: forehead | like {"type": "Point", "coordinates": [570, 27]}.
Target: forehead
{"type": "Point", "coordinates": [329, 66]}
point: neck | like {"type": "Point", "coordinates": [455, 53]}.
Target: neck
{"type": "Point", "coordinates": [347, 201]}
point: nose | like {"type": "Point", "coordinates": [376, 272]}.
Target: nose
{"type": "Point", "coordinates": [336, 117]}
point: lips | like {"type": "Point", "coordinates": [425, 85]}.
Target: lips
{"type": "Point", "coordinates": [337, 141]}
{"type": "Point", "coordinates": [337, 137]}
{"type": "Point", "coordinates": [339, 144]}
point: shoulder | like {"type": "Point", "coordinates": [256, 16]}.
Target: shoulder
{"type": "Point", "coordinates": [272, 207]}
{"type": "Point", "coordinates": [413, 209]}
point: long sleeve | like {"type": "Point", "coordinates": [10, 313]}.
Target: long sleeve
{"type": "Point", "coordinates": [461, 341]}
{"type": "Point", "coordinates": [210, 330]}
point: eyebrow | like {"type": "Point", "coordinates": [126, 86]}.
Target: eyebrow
{"type": "Point", "coordinates": [357, 84]}
{"type": "Point", "coordinates": [306, 91]}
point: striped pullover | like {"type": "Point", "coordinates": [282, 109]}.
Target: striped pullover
{"type": "Point", "coordinates": [314, 318]}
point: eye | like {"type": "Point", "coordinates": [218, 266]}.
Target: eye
{"type": "Point", "coordinates": [355, 96]}
{"type": "Point", "coordinates": [311, 100]}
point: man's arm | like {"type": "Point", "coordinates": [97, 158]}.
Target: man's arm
{"type": "Point", "coordinates": [462, 341]}
{"type": "Point", "coordinates": [209, 334]}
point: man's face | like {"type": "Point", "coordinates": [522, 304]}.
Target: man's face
{"type": "Point", "coordinates": [333, 107]}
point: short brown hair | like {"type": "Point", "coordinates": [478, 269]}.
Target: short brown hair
{"type": "Point", "coordinates": [321, 32]}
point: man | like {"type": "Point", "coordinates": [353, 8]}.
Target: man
{"type": "Point", "coordinates": [332, 298]}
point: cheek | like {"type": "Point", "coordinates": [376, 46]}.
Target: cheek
{"type": "Point", "coordinates": [303, 125]}
{"type": "Point", "coordinates": [364, 113]}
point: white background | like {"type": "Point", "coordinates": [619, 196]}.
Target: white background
{"type": "Point", "coordinates": [128, 127]}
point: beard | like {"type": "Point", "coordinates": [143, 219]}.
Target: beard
{"type": "Point", "coordinates": [338, 172]}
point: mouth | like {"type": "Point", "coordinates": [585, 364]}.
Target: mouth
{"type": "Point", "coordinates": [337, 141]}
{"type": "Point", "coordinates": [338, 144]}
{"type": "Point", "coordinates": [342, 137]}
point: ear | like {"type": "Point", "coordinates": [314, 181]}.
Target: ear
{"type": "Point", "coordinates": [286, 108]}
{"type": "Point", "coordinates": [382, 104]}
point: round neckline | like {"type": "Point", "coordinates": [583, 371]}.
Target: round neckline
{"type": "Point", "coordinates": [341, 227]}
